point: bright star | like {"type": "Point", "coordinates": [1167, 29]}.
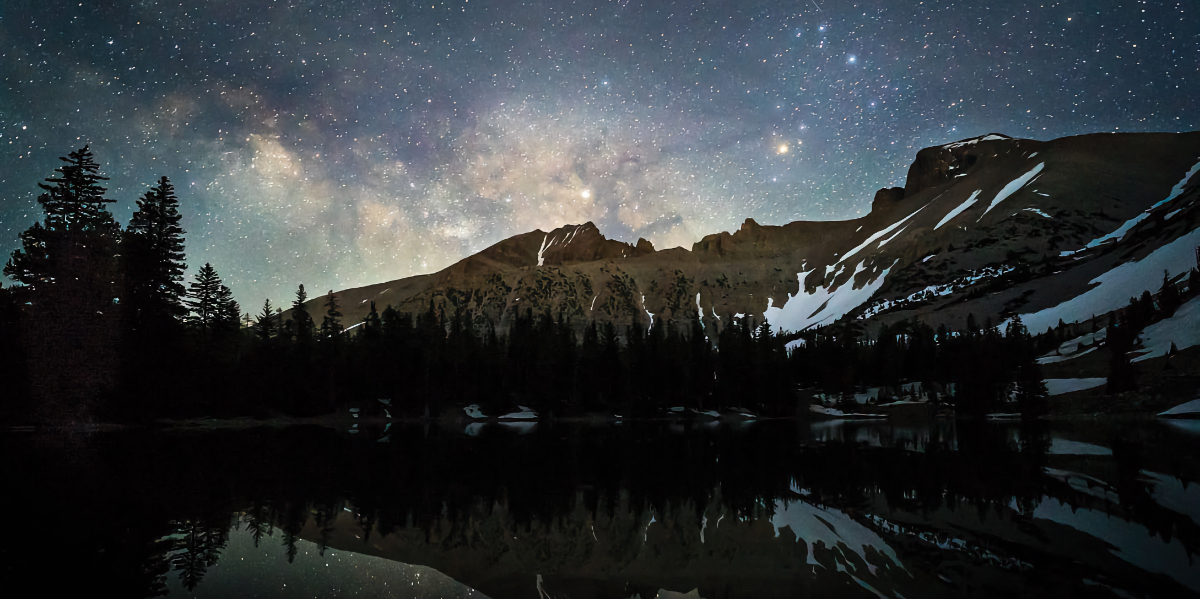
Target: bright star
{"type": "Point", "coordinates": [782, 149]}
{"type": "Point", "coordinates": [585, 194]}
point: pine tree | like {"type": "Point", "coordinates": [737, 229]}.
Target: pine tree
{"type": "Point", "coordinates": [78, 232]}
{"type": "Point", "coordinates": [1122, 374]}
{"type": "Point", "coordinates": [264, 326]}
{"type": "Point", "coordinates": [331, 333]}
{"type": "Point", "coordinates": [331, 327]}
{"type": "Point", "coordinates": [228, 312]}
{"type": "Point", "coordinates": [151, 260]}
{"type": "Point", "coordinates": [1169, 297]}
{"type": "Point", "coordinates": [303, 320]}
{"type": "Point", "coordinates": [204, 299]}
{"type": "Point", "coordinates": [372, 325]}
{"type": "Point", "coordinates": [152, 252]}
{"type": "Point", "coordinates": [1031, 395]}
{"type": "Point", "coordinates": [68, 264]}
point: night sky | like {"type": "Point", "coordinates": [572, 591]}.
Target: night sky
{"type": "Point", "coordinates": [339, 144]}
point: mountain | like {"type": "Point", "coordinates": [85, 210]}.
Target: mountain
{"type": "Point", "coordinates": [991, 226]}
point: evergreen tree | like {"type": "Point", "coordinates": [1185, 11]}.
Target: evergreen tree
{"type": "Point", "coordinates": [1169, 297]}
{"type": "Point", "coordinates": [331, 342]}
{"type": "Point", "coordinates": [228, 312]}
{"type": "Point", "coordinates": [331, 327]}
{"type": "Point", "coordinates": [1031, 395]}
{"type": "Point", "coordinates": [204, 299]}
{"type": "Point", "coordinates": [70, 328]}
{"type": "Point", "coordinates": [152, 252]}
{"type": "Point", "coordinates": [78, 232]}
{"type": "Point", "coordinates": [153, 309]}
{"type": "Point", "coordinates": [1122, 374]}
{"type": "Point", "coordinates": [373, 326]}
{"type": "Point", "coordinates": [304, 322]}
{"type": "Point", "coordinates": [264, 326]}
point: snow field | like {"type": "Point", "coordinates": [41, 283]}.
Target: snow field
{"type": "Point", "coordinates": [1113, 289]}
{"type": "Point", "coordinates": [804, 309]}
{"type": "Point", "coordinates": [1182, 328]}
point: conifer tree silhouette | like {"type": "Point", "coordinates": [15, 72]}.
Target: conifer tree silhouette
{"type": "Point", "coordinates": [153, 259]}
{"type": "Point", "coordinates": [204, 299]}
{"type": "Point", "coordinates": [264, 325]}
{"type": "Point", "coordinates": [67, 262]}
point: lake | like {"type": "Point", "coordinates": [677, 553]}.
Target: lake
{"type": "Point", "coordinates": [775, 508]}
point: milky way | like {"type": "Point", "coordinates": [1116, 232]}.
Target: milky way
{"type": "Point", "coordinates": [339, 144]}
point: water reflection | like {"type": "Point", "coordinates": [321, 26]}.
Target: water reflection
{"type": "Point", "coordinates": [773, 508]}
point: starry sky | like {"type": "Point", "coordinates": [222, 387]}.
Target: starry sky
{"type": "Point", "coordinates": [340, 144]}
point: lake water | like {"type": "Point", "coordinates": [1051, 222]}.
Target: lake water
{"type": "Point", "coordinates": [767, 509]}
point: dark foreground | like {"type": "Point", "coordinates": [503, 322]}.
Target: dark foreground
{"type": "Point", "coordinates": [767, 509]}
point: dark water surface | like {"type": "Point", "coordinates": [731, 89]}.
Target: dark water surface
{"type": "Point", "coordinates": [768, 509]}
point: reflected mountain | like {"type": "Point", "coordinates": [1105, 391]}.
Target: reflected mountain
{"type": "Point", "coordinates": [774, 509]}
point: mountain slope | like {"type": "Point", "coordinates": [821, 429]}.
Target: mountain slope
{"type": "Point", "coordinates": [991, 226]}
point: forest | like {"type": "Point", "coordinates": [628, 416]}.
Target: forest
{"type": "Point", "coordinates": [101, 327]}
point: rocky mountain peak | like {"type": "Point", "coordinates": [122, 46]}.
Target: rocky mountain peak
{"type": "Point", "coordinates": [584, 243]}
{"type": "Point", "coordinates": [938, 164]}
{"type": "Point", "coordinates": [886, 197]}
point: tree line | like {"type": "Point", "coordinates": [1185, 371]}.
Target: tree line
{"type": "Point", "coordinates": [102, 326]}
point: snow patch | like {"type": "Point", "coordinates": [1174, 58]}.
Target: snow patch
{"type": "Point", "coordinates": [542, 250]}
{"type": "Point", "coordinates": [971, 142]}
{"type": "Point", "coordinates": [524, 414]}
{"type": "Point", "coordinates": [1013, 187]}
{"type": "Point", "coordinates": [1191, 407]}
{"type": "Point", "coordinates": [1053, 359]}
{"type": "Point", "coordinates": [1060, 386]}
{"type": "Point", "coordinates": [953, 213]}
{"type": "Point", "coordinates": [894, 235]}
{"type": "Point", "coordinates": [804, 309]}
{"type": "Point", "coordinates": [877, 235]}
{"type": "Point", "coordinates": [1114, 288]}
{"type": "Point", "coordinates": [647, 312]}
{"type": "Point", "coordinates": [1038, 212]}
{"type": "Point", "coordinates": [1182, 328]}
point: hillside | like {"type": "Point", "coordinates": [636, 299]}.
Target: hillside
{"type": "Point", "coordinates": [991, 226]}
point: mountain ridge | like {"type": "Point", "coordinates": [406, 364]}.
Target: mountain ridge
{"type": "Point", "coordinates": [991, 226]}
